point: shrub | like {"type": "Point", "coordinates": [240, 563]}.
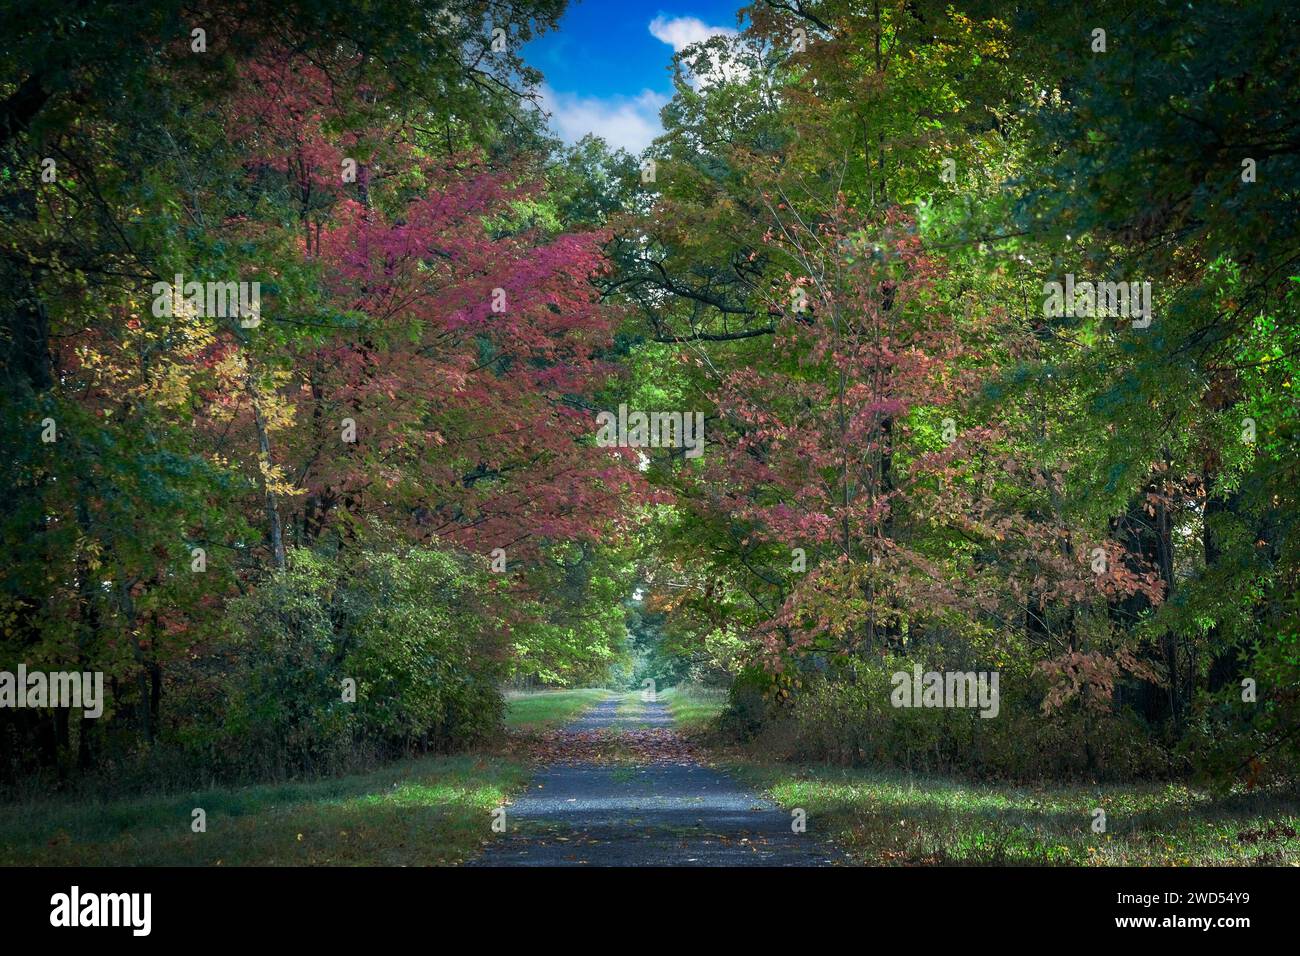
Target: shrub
{"type": "Point", "coordinates": [844, 715]}
{"type": "Point", "coordinates": [401, 625]}
{"type": "Point", "coordinates": [750, 703]}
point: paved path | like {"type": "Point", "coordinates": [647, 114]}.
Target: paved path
{"type": "Point", "coordinates": [668, 812]}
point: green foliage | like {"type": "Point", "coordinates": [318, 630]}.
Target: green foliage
{"type": "Point", "coordinates": [177, 433]}
{"type": "Point", "coordinates": [1176, 443]}
{"type": "Point", "coordinates": [401, 625]}
{"type": "Point", "coordinates": [846, 717]}
{"type": "Point", "coordinates": [570, 628]}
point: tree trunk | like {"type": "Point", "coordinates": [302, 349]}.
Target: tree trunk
{"type": "Point", "coordinates": [274, 530]}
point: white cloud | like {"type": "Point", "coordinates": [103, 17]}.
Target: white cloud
{"type": "Point", "coordinates": [681, 32]}
{"type": "Point", "coordinates": [627, 122]}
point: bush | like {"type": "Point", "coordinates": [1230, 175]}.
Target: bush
{"type": "Point", "coordinates": [750, 703]}
{"type": "Point", "coordinates": [844, 715]}
{"type": "Point", "coordinates": [402, 626]}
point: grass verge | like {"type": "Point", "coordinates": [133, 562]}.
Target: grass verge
{"type": "Point", "coordinates": [888, 818]}
{"type": "Point", "coordinates": [694, 708]}
{"type": "Point", "coordinates": [546, 709]}
{"type": "Point", "coordinates": [423, 811]}
{"type": "Point", "coordinates": [418, 812]}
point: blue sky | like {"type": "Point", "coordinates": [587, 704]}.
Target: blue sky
{"type": "Point", "coordinates": [607, 67]}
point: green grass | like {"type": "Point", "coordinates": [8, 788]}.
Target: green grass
{"type": "Point", "coordinates": [542, 710]}
{"type": "Point", "coordinates": [694, 707]}
{"type": "Point", "coordinates": [431, 810]}
{"type": "Point", "coordinates": [881, 818]}
{"type": "Point", "coordinates": [630, 705]}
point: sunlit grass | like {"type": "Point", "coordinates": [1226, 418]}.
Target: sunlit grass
{"type": "Point", "coordinates": [630, 706]}
{"type": "Point", "coordinates": [694, 707]}
{"type": "Point", "coordinates": [427, 811]}
{"type": "Point", "coordinates": [884, 818]}
{"type": "Point", "coordinates": [541, 710]}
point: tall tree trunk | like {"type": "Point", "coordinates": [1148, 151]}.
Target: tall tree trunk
{"type": "Point", "coordinates": [1146, 546]}
{"type": "Point", "coordinates": [143, 709]}
{"type": "Point", "coordinates": [1225, 667]}
{"type": "Point", "coordinates": [1165, 550]}
{"type": "Point", "coordinates": [274, 530]}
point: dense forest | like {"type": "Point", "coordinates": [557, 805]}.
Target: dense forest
{"type": "Point", "coordinates": [339, 395]}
